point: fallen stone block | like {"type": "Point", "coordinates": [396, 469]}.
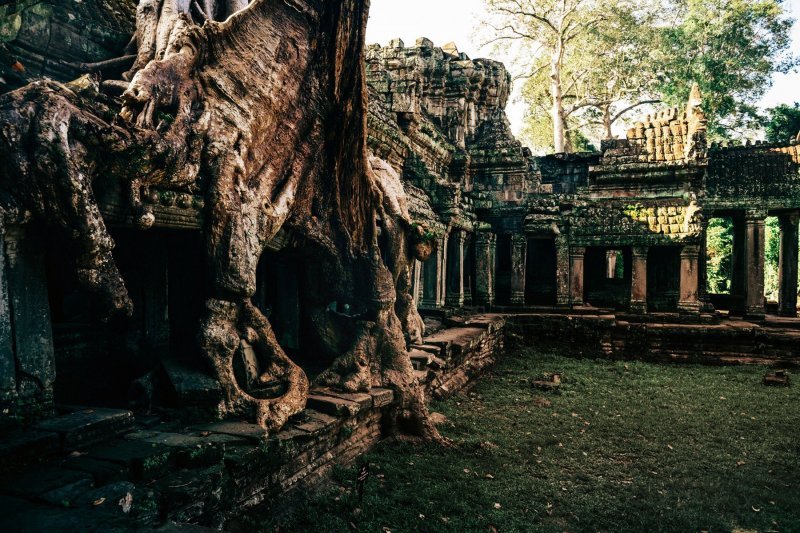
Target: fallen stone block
{"type": "Point", "coordinates": [779, 378]}
{"type": "Point", "coordinates": [332, 405]}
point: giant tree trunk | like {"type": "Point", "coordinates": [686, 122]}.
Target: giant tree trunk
{"type": "Point", "coordinates": [557, 104]}
{"type": "Point", "coordinates": [266, 113]}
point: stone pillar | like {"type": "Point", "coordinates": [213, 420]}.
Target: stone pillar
{"type": "Point", "coordinates": [484, 268]}
{"type": "Point", "coordinates": [469, 268]}
{"type": "Point", "coordinates": [519, 252]}
{"type": "Point", "coordinates": [689, 300]}
{"type": "Point", "coordinates": [493, 264]}
{"type": "Point", "coordinates": [443, 260]}
{"type": "Point", "coordinates": [455, 269]}
{"type": "Point", "coordinates": [754, 240]}
{"type": "Point", "coordinates": [432, 279]}
{"type": "Point", "coordinates": [576, 256]}
{"type": "Point", "coordinates": [562, 271]}
{"type": "Point", "coordinates": [8, 379]}
{"type": "Point", "coordinates": [738, 264]}
{"type": "Point", "coordinates": [787, 266]}
{"type": "Point", "coordinates": [416, 281]}
{"type": "Point", "coordinates": [611, 264]}
{"type": "Point", "coordinates": [639, 279]}
{"type": "Point", "coordinates": [30, 318]}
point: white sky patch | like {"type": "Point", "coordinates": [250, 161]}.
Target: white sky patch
{"type": "Point", "coordinates": [443, 21]}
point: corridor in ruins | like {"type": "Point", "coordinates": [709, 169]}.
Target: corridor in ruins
{"type": "Point", "coordinates": [742, 260]}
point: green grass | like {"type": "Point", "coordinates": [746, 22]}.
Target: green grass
{"type": "Point", "coordinates": [623, 446]}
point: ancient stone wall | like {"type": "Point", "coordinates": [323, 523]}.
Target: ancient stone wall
{"type": "Point", "coordinates": [439, 117]}
{"type": "Point", "coordinates": [753, 175]}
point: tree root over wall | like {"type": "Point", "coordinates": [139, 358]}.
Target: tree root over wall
{"type": "Point", "coordinates": [264, 113]}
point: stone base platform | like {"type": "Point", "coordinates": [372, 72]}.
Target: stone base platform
{"type": "Point", "coordinates": [660, 338]}
{"type": "Point", "coordinates": [104, 469]}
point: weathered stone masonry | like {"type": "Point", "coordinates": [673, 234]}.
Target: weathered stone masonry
{"type": "Point", "coordinates": [625, 228]}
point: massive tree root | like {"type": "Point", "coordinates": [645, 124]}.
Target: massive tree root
{"type": "Point", "coordinates": [265, 113]}
{"type": "Point", "coordinates": [48, 156]}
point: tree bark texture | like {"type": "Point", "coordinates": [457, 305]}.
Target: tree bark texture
{"type": "Point", "coordinates": [263, 109]}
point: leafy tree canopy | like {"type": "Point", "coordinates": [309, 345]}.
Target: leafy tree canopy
{"type": "Point", "coordinates": [591, 64]}
{"type": "Point", "coordinates": [782, 123]}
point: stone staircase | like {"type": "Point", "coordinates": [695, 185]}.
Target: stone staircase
{"type": "Point", "coordinates": [104, 469]}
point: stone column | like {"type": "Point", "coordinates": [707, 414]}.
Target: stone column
{"type": "Point", "coordinates": [469, 270]}
{"type": "Point", "coordinates": [8, 379]}
{"type": "Point", "coordinates": [519, 252]}
{"type": "Point", "coordinates": [576, 256]}
{"type": "Point", "coordinates": [611, 264]}
{"type": "Point", "coordinates": [455, 269]}
{"type": "Point", "coordinates": [484, 268]}
{"type": "Point", "coordinates": [689, 300]}
{"type": "Point", "coordinates": [562, 271]}
{"type": "Point", "coordinates": [787, 266]}
{"type": "Point", "coordinates": [754, 240]}
{"type": "Point", "coordinates": [639, 279]}
{"type": "Point", "coordinates": [738, 263]}
{"type": "Point", "coordinates": [32, 331]}
{"type": "Point", "coordinates": [493, 265]}
{"type": "Point", "coordinates": [443, 258]}
{"type": "Point", "coordinates": [416, 281]}
{"type": "Point", "coordinates": [432, 276]}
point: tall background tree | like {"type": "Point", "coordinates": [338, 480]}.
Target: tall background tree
{"type": "Point", "coordinates": [731, 48]}
{"type": "Point", "coordinates": [782, 123]}
{"type": "Point", "coordinates": [594, 63]}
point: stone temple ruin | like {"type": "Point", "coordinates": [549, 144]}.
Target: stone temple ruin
{"type": "Point", "coordinates": [623, 229]}
{"type": "Point", "coordinates": [603, 252]}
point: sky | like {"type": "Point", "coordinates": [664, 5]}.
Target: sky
{"type": "Point", "coordinates": [443, 21]}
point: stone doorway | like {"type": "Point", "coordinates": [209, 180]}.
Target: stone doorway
{"type": "Point", "coordinates": [96, 361]}
{"type": "Point", "coordinates": [540, 275]}
{"type": "Point", "coordinates": [663, 278]}
{"type": "Point", "coordinates": [607, 274]}
{"type": "Point", "coordinates": [503, 271]}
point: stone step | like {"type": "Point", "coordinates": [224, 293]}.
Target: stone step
{"type": "Point", "coordinates": [21, 515]}
{"type": "Point", "coordinates": [363, 399]}
{"type": "Point", "coordinates": [314, 423]}
{"type": "Point", "coordinates": [191, 386]}
{"type": "Point", "coordinates": [188, 451]}
{"type": "Point", "coordinates": [433, 349]}
{"type": "Point", "coordinates": [381, 397]}
{"type": "Point", "coordinates": [46, 483]}
{"type": "Point", "coordinates": [142, 460]}
{"type": "Point", "coordinates": [252, 432]}
{"type": "Point", "coordinates": [87, 427]}
{"type": "Point", "coordinates": [20, 446]}
{"type": "Point", "coordinates": [332, 405]}
{"type": "Point", "coordinates": [102, 472]}
{"type": "Point", "coordinates": [419, 359]}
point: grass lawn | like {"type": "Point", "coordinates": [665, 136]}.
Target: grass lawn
{"type": "Point", "coordinates": [623, 446]}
